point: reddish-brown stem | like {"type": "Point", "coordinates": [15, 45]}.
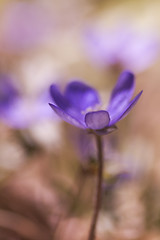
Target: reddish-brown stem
{"type": "Point", "coordinates": [98, 189]}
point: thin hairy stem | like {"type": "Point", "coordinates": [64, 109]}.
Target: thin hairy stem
{"type": "Point", "coordinates": [98, 189]}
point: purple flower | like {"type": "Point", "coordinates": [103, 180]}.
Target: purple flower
{"type": "Point", "coordinates": [73, 105]}
{"type": "Point", "coordinates": [122, 46]}
{"type": "Point", "coordinates": [8, 93]}
{"type": "Point", "coordinates": [25, 25]}
{"type": "Point", "coordinates": [12, 108]}
{"type": "Point", "coordinates": [17, 111]}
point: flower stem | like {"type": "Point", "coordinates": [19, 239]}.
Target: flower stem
{"type": "Point", "coordinates": [98, 190]}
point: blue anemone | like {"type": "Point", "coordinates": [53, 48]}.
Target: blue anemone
{"type": "Point", "coordinates": [73, 105]}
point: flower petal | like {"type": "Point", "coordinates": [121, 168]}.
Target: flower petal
{"type": "Point", "coordinates": [58, 98]}
{"type": "Point", "coordinates": [66, 117]}
{"type": "Point", "coordinates": [97, 120]}
{"type": "Point", "coordinates": [81, 96]}
{"type": "Point", "coordinates": [121, 94]}
{"type": "Point", "coordinates": [64, 104]}
{"type": "Point", "coordinates": [125, 112]}
{"type": "Point", "coordinates": [8, 92]}
{"type": "Point", "coordinates": [19, 115]}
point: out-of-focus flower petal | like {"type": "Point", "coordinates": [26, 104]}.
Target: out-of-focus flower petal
{"type": "Point", "coordinates": [141, 45]}
{"type": "Point", "coordinates": [103, 47]}
{"type": "Point", "coordinates": [18, 115]}
{"type": "Point", "coordinates": [127, 109]}
{"type": "Point", "coordinates": [121, 94]}
{"type": "Point", "coordinates": [25, 25]}
{"type": "Point", "coordinates": [12, 107]}
{"type": "Point", "coordinates": [81, 96]}
{"type": "Point", "coordinates": [66, 117]}
{"type": "Point", "coordinates": [8, 92]}
{"type": "Point", "coordinates": [122, 46]}
{"type": "Point", "coordinates": [97, 120]}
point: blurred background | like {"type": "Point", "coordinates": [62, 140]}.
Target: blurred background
{"type": "Point", "coordinates": [47, 167]}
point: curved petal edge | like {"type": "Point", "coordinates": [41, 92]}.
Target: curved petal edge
{"type": "Point", "coordinates": [127, 109]}
{"type": "Point", "coordinates": [66, 117]}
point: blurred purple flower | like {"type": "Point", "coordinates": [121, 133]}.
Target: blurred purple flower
{"type": "Point", "coordinates": [24, 25]}
{"type": "Point", "coordinates": [15, 110]}
{"type": "Point", "coordinates": [78, 97]}
{"type": "Point", "coordinates": [8, 93]}
{"type": "Point", "coordinates": [122, 46]}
